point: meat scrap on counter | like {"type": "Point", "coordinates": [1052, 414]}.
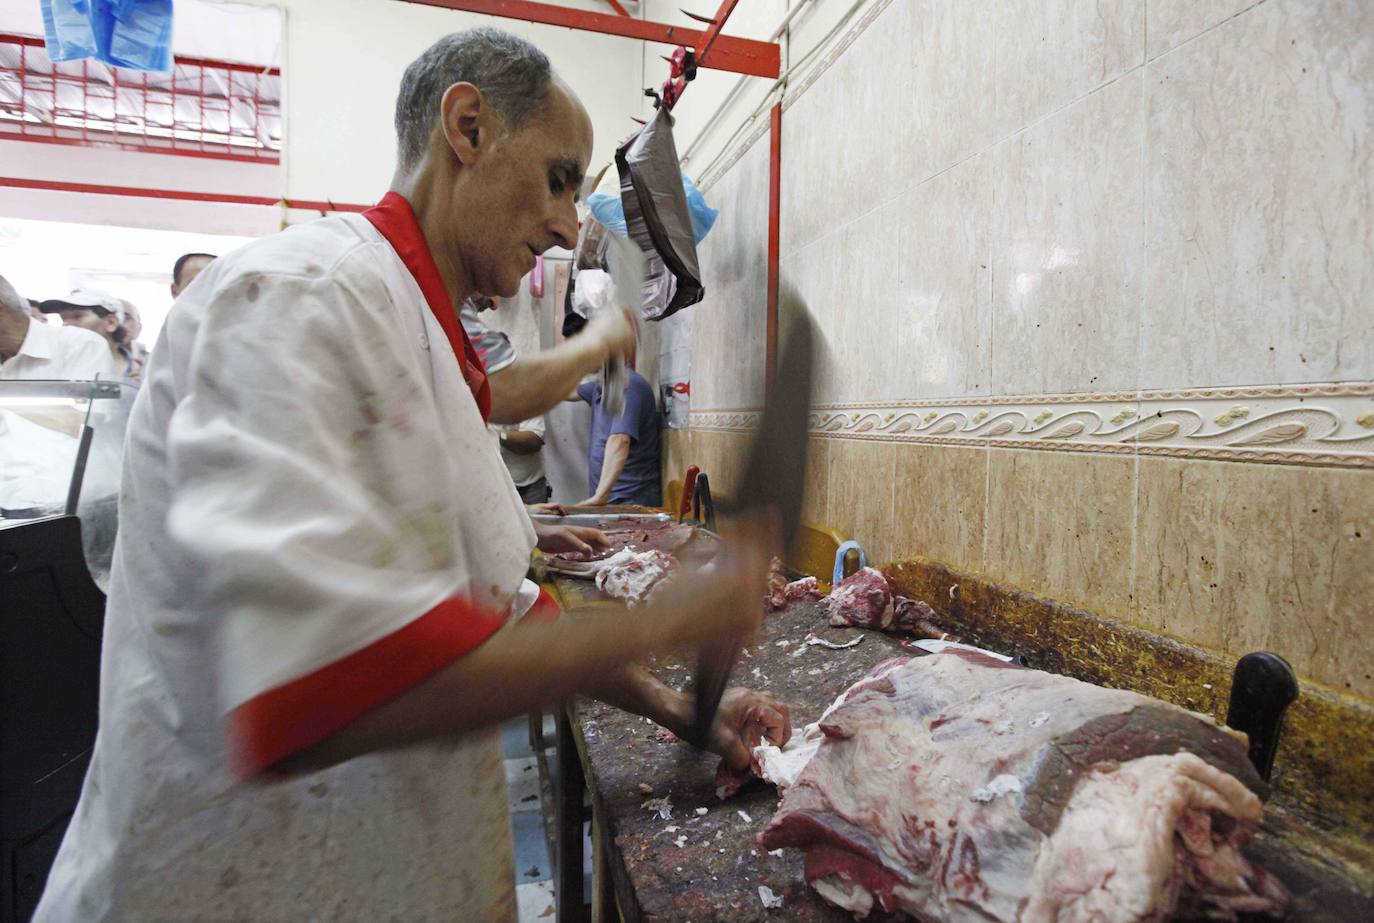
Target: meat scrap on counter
{"type": "Point", "coordinates": [867, 599]}
{"type": "Point", "coordinates": [955, 787]}
{"type": "Point", "coordinates": [633, 576]}
{"type": "Point", "coordinates": [782, 593]}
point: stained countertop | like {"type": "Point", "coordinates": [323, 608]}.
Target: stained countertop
{"type": "Point", "coordinates": [700, 867]}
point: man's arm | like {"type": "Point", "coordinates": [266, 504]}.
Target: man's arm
{"type": "Point", "coordinates": [533, 384]}
{"type": "Point", "coordinates": [613, 463]}
{"type": "Point", "coordinates": [529, 666]}
{"type": "Point", "coordinates": [521, 442]}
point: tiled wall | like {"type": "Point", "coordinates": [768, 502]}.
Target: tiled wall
{"type": "Point", "coordinates": [1096, 284]}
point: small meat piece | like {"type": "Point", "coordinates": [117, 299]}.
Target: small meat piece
{"type": "Point", "coordinates": [913, 616]}
{"type": "Point", "coordinates": [632, 576]}
{"type": "Point", "coordinates": [956, 787]}
{"type": "Point", "coordinates": [777, 585]}
{"type": "Point", "coordinates": [807, 589]}
{"type": "Point", "coordinates": [863, 600]}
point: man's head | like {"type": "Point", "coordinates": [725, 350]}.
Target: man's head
{"type": "Point", "coordinates": [492, 149]}
{"type": "Point", "coordinates": [133, 321]}
{"type": "Point", "coordinates": [14, 319]}
{"type": "Point", "coordinates": [186, 268]}
{"type": "Point", "coordinates": [93, 310]}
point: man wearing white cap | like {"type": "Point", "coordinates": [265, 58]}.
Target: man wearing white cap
{"type": "Point", "coordinates": [103, 314]}
{"type": "Point", "coordinates": [29, 349]}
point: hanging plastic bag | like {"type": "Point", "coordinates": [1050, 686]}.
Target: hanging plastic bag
{"type": "Point", "coordinates": [656, 213]}
{"type": "Point", "coordinates": [136, 34]}
{"type": "Point", "coordinates": [611, 214]}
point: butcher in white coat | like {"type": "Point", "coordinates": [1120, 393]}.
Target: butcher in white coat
{"type": "Point", "coordinates": [317, 612]}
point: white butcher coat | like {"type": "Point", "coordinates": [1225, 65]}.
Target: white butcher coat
{"type": "Point", "coordinates": [313, 519]}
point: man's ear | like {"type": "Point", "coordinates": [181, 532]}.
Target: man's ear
{"type": "Point", "coordinates": [466, 120]}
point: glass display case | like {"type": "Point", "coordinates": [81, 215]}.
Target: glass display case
{"type": "Point", "coordinates": [61, 450]}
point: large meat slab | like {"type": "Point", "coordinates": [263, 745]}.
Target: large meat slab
{"type": "Point", "coordinates": [960, 788]}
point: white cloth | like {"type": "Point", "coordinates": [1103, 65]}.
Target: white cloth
{"type": "Point", "coordinates": [308, 479]}
{"type": "Point", "coordinates": [59, 353]}
{"type": "Point", "coordinates": [524, 469]}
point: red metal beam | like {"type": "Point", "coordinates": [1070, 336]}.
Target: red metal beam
{"type": "Point", "coordinates": [704, 51]}
{"type": "Point", "coordinates": [618, 8]}
{"type": "Point", "coordinates": [267, 157]}
{"type": "Point", "coordinates": [739, 55]}
{"type": "Point", "coordinates": [183, 195]}
{"type": "Point", "coordinates": [770, 358]}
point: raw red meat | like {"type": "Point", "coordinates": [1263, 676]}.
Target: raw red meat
{"type": "Point", "coordinates": [959, 788]}
{"type": "Point", "coordinates": [914, 617]}
{"type": "Point", "coordinates": [868, 599]}
{"type": "Point", "coordinates": [777, 585]}
{"type": "Point", "coordinates": [781, 593]}
{"type": "Point", "coordinates": [863, 600]}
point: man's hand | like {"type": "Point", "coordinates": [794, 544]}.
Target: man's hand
{"type": "Point", "coordinates": [747, 718]}
{"type": "Point", "coordinates": [547, 509]}
{"type": "Point", "coordinates": [583, 540]}
{"type": "Point", "coordinates": [614, 330]}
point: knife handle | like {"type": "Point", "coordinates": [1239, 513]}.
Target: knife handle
{"type": "Point", "coordinates": [689, 486]}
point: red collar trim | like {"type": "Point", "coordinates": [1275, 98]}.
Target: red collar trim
{"type": "Point", "coordinates": [395, 219]}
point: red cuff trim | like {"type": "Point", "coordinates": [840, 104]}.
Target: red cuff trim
{"type": "Point", "coordinates": [275, 724]}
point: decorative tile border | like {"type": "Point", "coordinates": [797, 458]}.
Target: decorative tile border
{"type": "Point", "coordinates": [1326, 424]}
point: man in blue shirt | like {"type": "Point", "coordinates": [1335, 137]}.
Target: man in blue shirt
{"type": "Point", "coordinates": [622, 453]}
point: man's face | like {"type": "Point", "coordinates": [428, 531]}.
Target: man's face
{"type": "Point", "coordinates": [91, 319]}
{"type": "Point", "coordinates": [189, 270]}
{"type": "Point", "coordinates": [522, 195]}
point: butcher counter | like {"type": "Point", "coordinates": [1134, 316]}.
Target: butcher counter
{"type": "Point", "coordinates": [667, 849]}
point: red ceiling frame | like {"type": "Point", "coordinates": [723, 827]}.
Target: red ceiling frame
{"type": "Point", "coordinates": [717, 23]}
{"type": "Point", "coordinates": [88, 104]}
{"type": "Point", "coordinates": [181, 195]}
{"type": "Point", "coordinates": [618, 8]}
{"type": "Point", "coordinates": [738, 55]}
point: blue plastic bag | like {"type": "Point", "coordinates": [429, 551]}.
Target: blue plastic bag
{"type": "Point", "coordinates": [611, 213]}
{"type": "Point", "coordinates": [136, 34]}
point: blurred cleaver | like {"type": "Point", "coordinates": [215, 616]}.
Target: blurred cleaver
{"type": "Point", "coordinates": [626, 264]}
{"type": "Point", "coordinates": [774, 475]}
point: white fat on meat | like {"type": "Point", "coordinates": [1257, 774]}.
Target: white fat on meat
{"type": "Point", "coordinates": [960, 789]}
{"type": "Point", "coordinates": [632, 576]}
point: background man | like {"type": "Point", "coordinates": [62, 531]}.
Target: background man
{"type": "Point", "coordinates": [103, 314]}
{"type": "Point", "coordinates": [623, 451]}
{"type": "Point", "coordinates": [29, 349]}
{"type": "Point", "coordinates": [186, 268]}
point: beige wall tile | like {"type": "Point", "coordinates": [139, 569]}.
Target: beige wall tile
{"type": "Point", "coordinates": [867, 319]}
{"type": "Point", "coordinates": [1243, 557]}
{"type": "Point", "coordinates": [861, 490]}
{"type": "Point", "coordinates": [728, 327]}
{"type": "Point", "coordinates": [843, 139]}
{"type": "Point", "coordinates": [1260, 204]}
{"type": "Point", "coordinates": [816, 499]}
{"type": "Point", "coordinates": [938, 507]}
{"type": "Point", "coordinates": [1050, 52]}
{"type": "Point", "coordinates": [1169, 23]}
{"type": "Point", "coordinates": [1059, 524]}
{"type": "Point", "coordinates": [1067, 248]}
{"type": "Point", "coordinates": [814, 277]}
{"type": "Point", "coordinates": [952, 109]}
{"type": "Point", "coordinates": [944, 263]}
